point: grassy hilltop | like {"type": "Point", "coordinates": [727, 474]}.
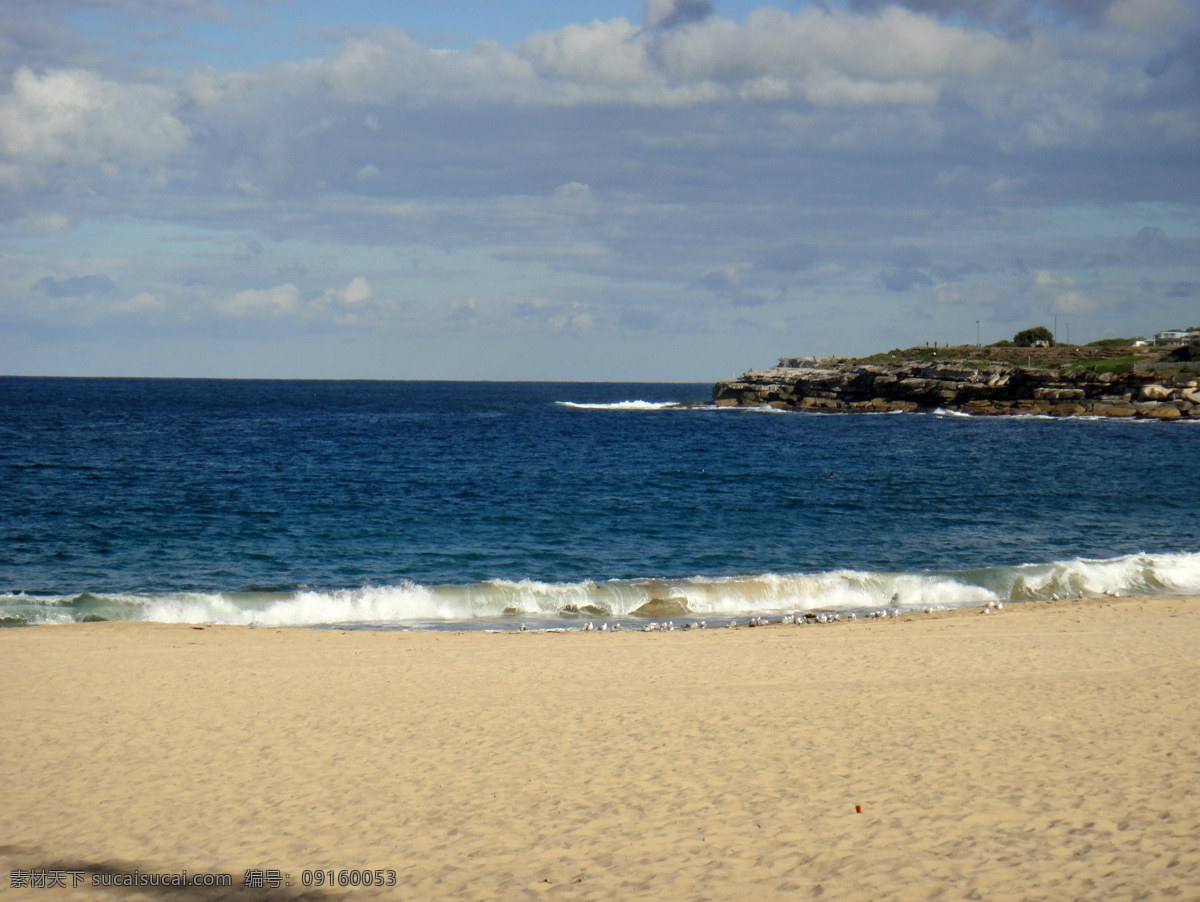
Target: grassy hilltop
{"type": "Point", "coordinates": [1108, 356]}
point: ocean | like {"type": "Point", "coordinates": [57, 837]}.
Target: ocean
{"type": "Point", "coordinates": [486, 505]}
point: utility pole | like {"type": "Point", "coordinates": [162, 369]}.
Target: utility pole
{"type": "Point", "coordinates": [978, 343]}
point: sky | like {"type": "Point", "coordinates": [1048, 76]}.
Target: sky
{"type": "Point", "coordinates": [667, 190]}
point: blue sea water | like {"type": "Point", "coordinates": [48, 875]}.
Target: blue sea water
{"type": "Point", "coordinates": [448, 504]}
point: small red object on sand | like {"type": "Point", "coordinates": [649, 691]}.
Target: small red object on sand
{"type": "Point", "coordinates": [858, 808]}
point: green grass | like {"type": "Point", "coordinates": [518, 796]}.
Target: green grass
{"type": "Point", "coordinates": [900, 355]}
{"type": "Point", "coordinates": [1112, 365]}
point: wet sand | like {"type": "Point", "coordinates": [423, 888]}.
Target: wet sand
{"type": "Point", "coordinates": [1048, 751]}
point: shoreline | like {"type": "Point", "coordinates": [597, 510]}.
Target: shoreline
{"type": "Point", "coordinates": [568, 621]}
{"type": "Point", "coordinates": [630, 603]}
{"type": "Point", "coordinates": [1047, 751]}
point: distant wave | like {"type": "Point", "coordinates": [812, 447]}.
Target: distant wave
{"type": "Point", "coordinates": [667, 405]}
{"type": "Point", "coordinates": [839, 590]}
{"type": "Point", "coordinates": [624, 405]}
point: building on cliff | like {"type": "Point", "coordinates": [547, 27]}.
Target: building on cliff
{"type": "Point", "coordinates": [1174, 338]}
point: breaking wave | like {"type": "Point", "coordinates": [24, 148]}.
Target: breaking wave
{"type": "Point", "coordinates": [623, 405]}
{"type": "Point", "coordinates": [670, 405]}
{"type": "Point", "coordinates": [478, 604]}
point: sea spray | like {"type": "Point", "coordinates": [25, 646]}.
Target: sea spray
{"type": "Point", "coordinates": [408, 604]}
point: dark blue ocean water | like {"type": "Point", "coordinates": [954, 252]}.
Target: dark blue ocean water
{"type": "Point", "coordinates": [312, 501]}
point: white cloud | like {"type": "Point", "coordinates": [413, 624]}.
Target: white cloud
{"type": "Point", "coordinates": [77, 119]}
{"type": "Point", "coordinates": [356, 293]}
{"type": "Point", "coordinates": [945, 293]}
{"type": "Point", "coordinates": [820, 54]}
{"type": "Point", "coordinates": [1062, 294]}
{"type": "Point", "coordinates": [572, 191]}
{"type": "Point", "coordinates": [1074, 302]}
{"type": "Point", "coordinates": [286, 300]}
{"type": "Point", "coordinates": [577, 319]}
{"type": "Point", "coordinates": [249, 188]}
{"type": "Point", "coordinates": [48, 222]}
{"type": "Point", "coordinates": [1005, 185]}
{"type": "Point", "coordinates": [1042, 278]}
{"type": "Point", "coordinates": [270, 303]}
{"type": "Point", "coordinates": [813, 54]}
{"type": "Point", "coordinates": [605, 53]}
{"type": "Point", "coordinates": [140, 303]}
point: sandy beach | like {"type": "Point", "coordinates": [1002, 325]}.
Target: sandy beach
{"type": "Point", "coordinates": [1048, 751]}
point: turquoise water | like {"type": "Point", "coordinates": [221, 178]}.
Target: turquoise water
{"type": "Point", "coordinates": [444, 504]}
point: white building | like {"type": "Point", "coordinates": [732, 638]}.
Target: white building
{"type": "Point", "coordinates": [1171, 338]}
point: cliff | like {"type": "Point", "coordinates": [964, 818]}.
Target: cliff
{"type": "Point", "coordinates": [974, 387]}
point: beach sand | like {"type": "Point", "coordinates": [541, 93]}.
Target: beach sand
{"type": "Point", "coordinates": [1048, 751]}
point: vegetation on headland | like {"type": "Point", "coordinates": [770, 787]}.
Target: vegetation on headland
{"type": "Point", "coordinates": [1036, 348]}
{"type": "Point", "coordinates": [1104, 360]}
{"type": "Point", "coordinates": [1036, 337]}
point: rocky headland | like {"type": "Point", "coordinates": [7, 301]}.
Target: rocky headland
{"type": "Point", "coordinates": [1054, 385]}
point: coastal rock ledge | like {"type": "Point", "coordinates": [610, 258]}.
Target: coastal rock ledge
{"type": "Point", "coordinates": [977, 389]}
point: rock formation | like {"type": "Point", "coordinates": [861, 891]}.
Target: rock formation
{"type": "Point", "coordinates": [972, 387]}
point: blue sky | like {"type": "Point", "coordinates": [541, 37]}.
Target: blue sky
{"type": "Point", "coordinates": [662, 190]}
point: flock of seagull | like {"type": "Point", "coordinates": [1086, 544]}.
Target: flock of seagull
{"type": "Point", "coordinates": [798, 618]}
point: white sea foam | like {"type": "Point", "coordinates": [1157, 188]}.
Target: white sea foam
{"type": "Point", "coordinates": [381, 604]}
{"type": "Point", "coordinates": [669, 405]}
{"type": "Point", "coordinates": [757, 594]}
{"type": "Point", "coordinates": [1134, 574]}
{"type": "Point", "coordinates": [622, 405]}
